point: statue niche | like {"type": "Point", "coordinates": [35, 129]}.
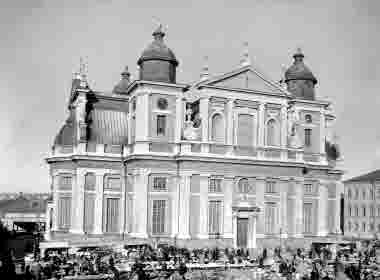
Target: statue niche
{"type": "Point", "coordinates": [293, 129]}
{"type": "Point", "coordinates": [192, 122]}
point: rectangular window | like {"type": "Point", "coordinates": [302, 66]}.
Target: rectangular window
{"type": "Point", "coordinates": [159, 184]}
{"type": "Point", "coordinates": [245, 130]}
{"type": "Point", "coordinates": [270, 218]}
{"type": "Point", "coordinates": [307, 217]}
{"type": "Point", "coordinates": [65, 182]}
{"type": "Point", "coordinates": [215, 186]}
{"type": "Point", "coordinates": [113, 184]}
{"type": "Point", "coordinates": [158, 216]}
{"type": "Point", "coordinates": [64, 212]}
{"type": "Point", "coordinates": [89, 211]}
{"type": "Point", "coordinates": [112, 215]}
{"type": "Point", "coordinates": [308, 188]}
{"type": "Point", "coordinates": [161, 125]}
{"type": "Point", "coordinates": [307, 137]}
{"type": "Point", "coordinates": [270, 187]}
{"type": "Point", "coordinates": [214, 217]}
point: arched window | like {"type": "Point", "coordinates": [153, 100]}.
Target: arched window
{"type": "Point", "coordinates": [243, 186]}
{"type": "Point", "coordinates": [364, 211]}
{"type": "Point", "coordinates": [217, 128]}
{"type": "Point", "coordinates": [349, 194]}
{"type": "Point", "coordinates": [272, 134]}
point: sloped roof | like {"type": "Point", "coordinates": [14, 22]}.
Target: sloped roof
{"type": "Point", "coordinates": [246, 78]}
{"type": "Point", "coordinates": [23, 205]}
{"type": "Point", "coordinates": [371, 176]}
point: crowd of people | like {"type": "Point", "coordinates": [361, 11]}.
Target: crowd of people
{"type": "Point", "coordinates": [169, 262]}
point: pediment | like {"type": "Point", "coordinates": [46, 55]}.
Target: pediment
{"type": "Point", "coordinates": [246, 79]}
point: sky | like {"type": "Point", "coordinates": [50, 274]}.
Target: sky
{"type": "Point", "coordinates": [43, 40]}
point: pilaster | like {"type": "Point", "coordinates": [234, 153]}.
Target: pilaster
{"type": "Point", "coordinates": [261, 124]}
{"type": "Point", "coordinates": [322, 132]}
{"type": "Point", "coordinates": [184, 210]}
{"type": "Point", "coordinates": [142, 117]}
{"type": "Point", "coordinates": [228, 194]}
{"type": "Point", "coordinates": [98, 217]}
{"type": "Point", "coordinates": [203, 192]}
{"type": "Point", "coordinates": [55, 201]}
{"type": "Point", "coordinates": [77, 203]}
{"type": "Point", "coordinates": [141, 208]}
{"type": "Point", "coordinates": [204, 112]}
{"type": "Point", "coordinates": [260, 201]}
{"type": "Point", "coordinates": [322, 210]}
{"type": "Point", "coordinates": [339, 189]}
{"type": "Point", "coordinates": [299, 208]}
{"type": "Point", "coordinates": [230, 122]}
{"type": "Point", "coordinates": [284, 187]}
{"type": "Point", "coordinates": [284, 125]}
{"type": "Point", "coordinates": [179, 109]}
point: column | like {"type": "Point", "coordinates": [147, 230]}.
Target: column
{"type": "Point", "coordinates": [298, 184]}
{"type": "Point", "coordinates": [55, 200]}
{"type": "Point", "coordinates": [228, 195]}
{"type": "Point", "coordinates": [77, 209]}
{"type": "Point", "coordinates": [203, 196]}
{"type": "Point", "coordinates": [284, 185]}
{"type": "Point", "coordinates": [123, 208]}
{"type": "Point", "coordinates": [98, 217]}
{"type": "Point", "coordinates": [204, 108]}
{"type": "Point", "coordinates": [184, 210]}
{"type": "Point", "coordinates": [234, 228]}
{"type": "Point", "coordinates": [322, 133]}
{"type": "Point", "coordinates": [141, 205]}
{"type": "Point", "coordinates": [179, 121]}
{"type": "Point", "coordinates": [230, 125]}
{"type": "Point", "coordinates": [142, 123]}
{"type": "Point", "coordinates": [260, 201]}
{"type": "Point", "coordinates": [322, 209]}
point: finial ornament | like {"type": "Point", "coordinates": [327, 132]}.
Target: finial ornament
{"type": "Point", "coordinates": [298, 56]}
{"type": "Point", "coordinates": [83, 70]}
{"type": "Point", "coordinates": [246, 59]}
{"type": "Point", "coordinates": [205, 70]}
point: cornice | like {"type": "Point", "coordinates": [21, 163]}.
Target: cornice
{"type": "Point", "coordinates": [137, 83]}
{"type": "Point", "coordinates": [245, 91]}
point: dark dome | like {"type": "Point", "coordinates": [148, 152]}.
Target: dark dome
{"type": "Point", "coordinates": [122, 85]}
{"type": "Point", "coordinates": [299, 71]}
{"type": "Point", "coordinates": [157, 62]}
{"type": "Point", "coordinates": [157, 50]}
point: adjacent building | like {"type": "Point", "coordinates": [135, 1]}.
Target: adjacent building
{"type": "Point", "coordinates": [235, 159]}
{"type": "Point", "coordinates": [362, 206]}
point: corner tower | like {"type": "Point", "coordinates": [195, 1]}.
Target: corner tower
{"type": "Point", "coordinates": [157, 62]}
{"type": "Point", "coordinates": [299, 79]}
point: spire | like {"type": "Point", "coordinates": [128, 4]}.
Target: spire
{"type": "Point", "coordinates": [125, 75]}
{"type": "Point", "coordinates": [205, 71]}
{"type": "Point", "coordinates": [122, 86]}
{"type": "Point", "coordinates": [83, 70]}
{"type": "Point", "coordinates": [245, 61]}
{"type": "Point", "coordinates": [298, 56]}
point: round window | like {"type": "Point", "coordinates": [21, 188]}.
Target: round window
{"type": "Point", "coordinates": [162, 104]}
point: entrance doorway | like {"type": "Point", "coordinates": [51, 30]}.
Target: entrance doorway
{"type": "Point", "coordinates": [242, 232]}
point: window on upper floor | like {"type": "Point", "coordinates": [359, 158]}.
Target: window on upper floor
{"type": "Point", "coordinates": [371, 226]}
{"type": "Point", "coordinates": [215, 186]}
{"type": "Point", "coordinates": [356, 211]}
{"type": "Point", "coordinates": [89, 182]}
{"type": "Point", "coordinates": [245, 130]}
{"type": "Point", "coordinates": [356, 194]}
{"type": "Point", "coordinates": [372, 194]}
{"type": "Point", "coordinates": [161, 125]}
{"type": "Point", "coordinates": [272, 133]}
{"type": "Point", "coordinates": [364, 211]}
{"type": "Point", "coordinates": [349, 194]}
{"type": "Point", "coordinates": [364, 194]}
{"type": "Point", "coordinates": [308, 188]}
{"type": "Point", "coordinates": [349, 211]}
{"type": "Point", "coordinates": [65, 182]}
{"type": "Point", "coordinates": [243, 186]}
{"type": "Point", "coordinates": [308, 118]}
{"type": "Point", "coordinates": [159, 184]}
{"type": "Point", "coordinates": [217, 123]}
{"type": "Point", "coordinates": [363, 227]}
{"type": "Point", "coordinates": [349, 226]}
{"type": "Point", "coordinates": [307, 137]}
{"type": "Point", "coordinates": [270, 187]}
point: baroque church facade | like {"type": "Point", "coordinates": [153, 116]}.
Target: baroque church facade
{"type": "Point", "coordinates": [234, 159]}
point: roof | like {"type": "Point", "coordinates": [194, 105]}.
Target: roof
{"type": "Point", "coordinates": [299, 71]}
{"type": "Point", "coordinates": [24, 205]}
{"type": "Point", "coordinates": [371, 176]}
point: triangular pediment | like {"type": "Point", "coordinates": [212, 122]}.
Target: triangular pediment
{"type": "Point", "coordinates": [246, 79]}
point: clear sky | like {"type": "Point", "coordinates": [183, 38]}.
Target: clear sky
{"type": "Point", "coordinates": [42, 42]}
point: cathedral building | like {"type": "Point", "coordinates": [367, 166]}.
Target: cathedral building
{"type": "Point", "coordinates": [235, 159]}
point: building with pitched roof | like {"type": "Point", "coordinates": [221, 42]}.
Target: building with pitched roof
{"type": "Point", "coordinates": [235, 159]}
{"type": "Point", "coordinates": [362, 206]}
